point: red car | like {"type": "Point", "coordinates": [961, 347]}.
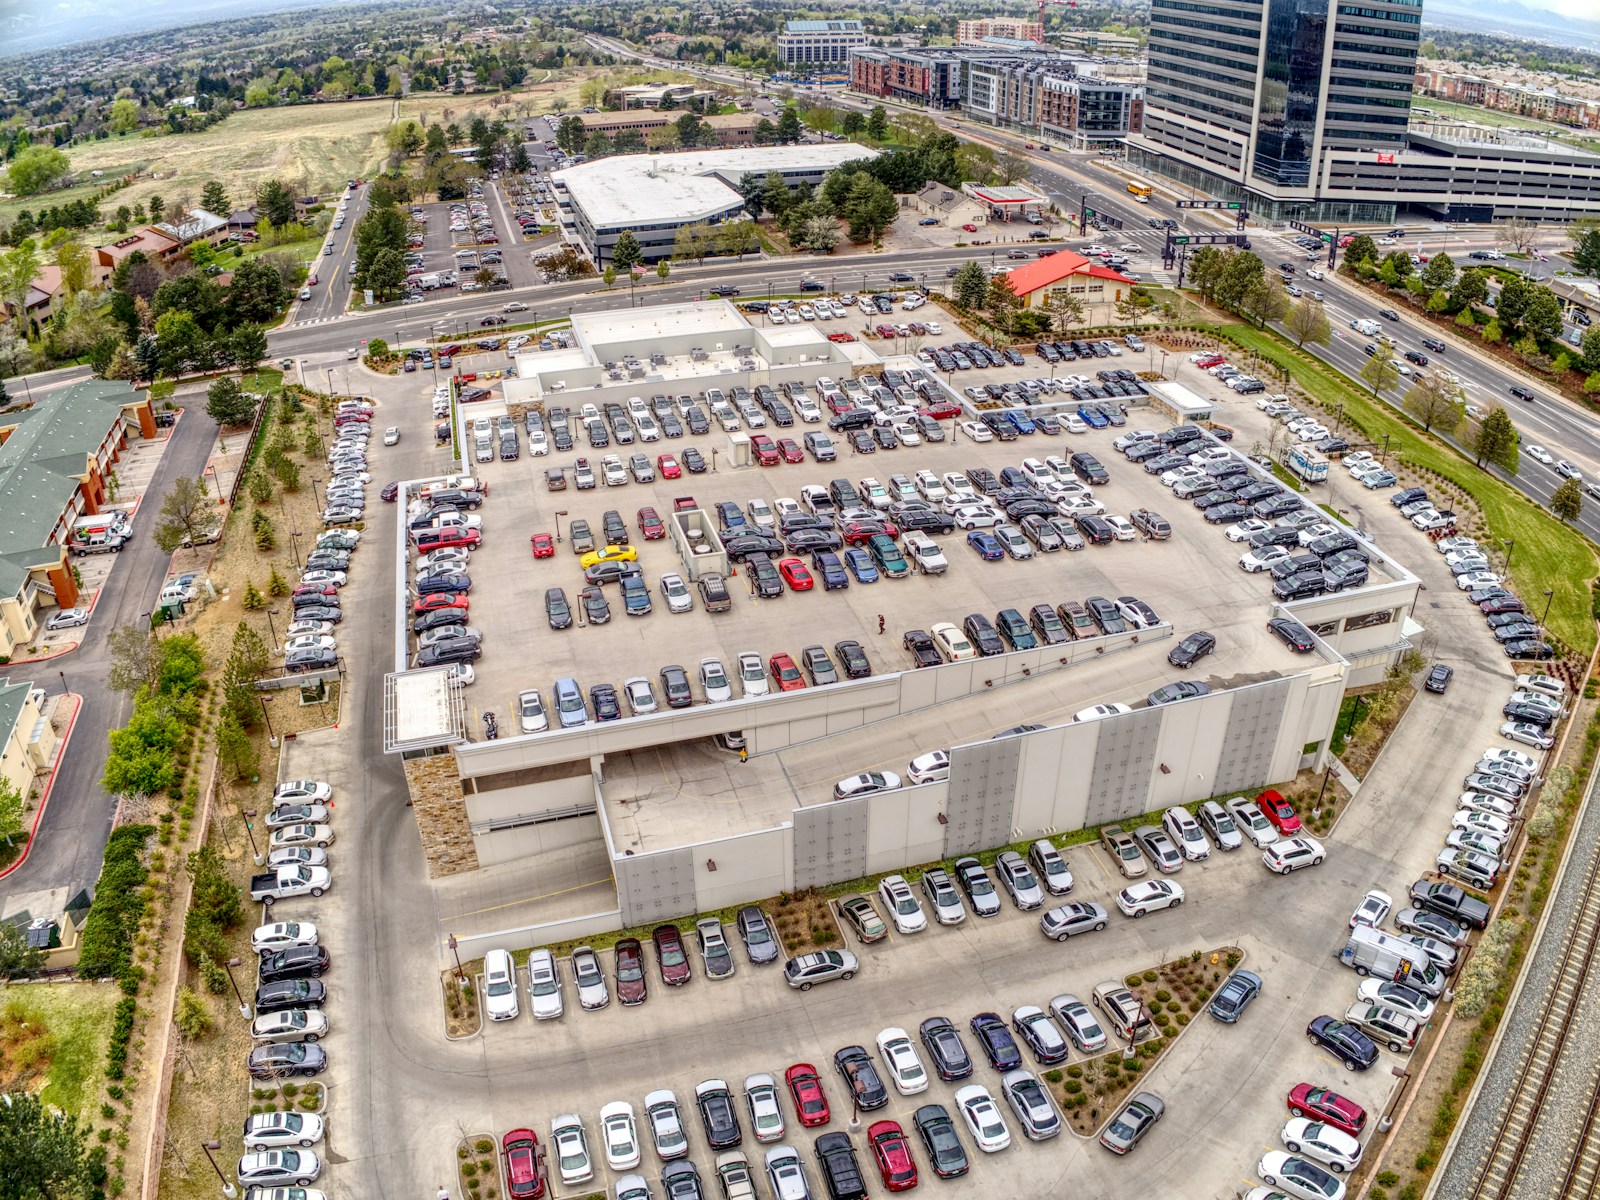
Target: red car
{"type": "Point", "coordinates": [521, 1150]}
{"type": "Point", "coordinates": [314, 589]}
{"type": "Point", "coordinates": [766, 450]}
{"type": "Point", "coordinates": [885, 331]}
{"type": "Point", "coordinates": [670, 955]}
{"type": "Point", "coordinates": [795, 574]}
{"type": "Point", "coordinates": [895, 1164]}
{"type": "Point", "coordinates": [650, 524]}
{"type": "Point", "coordinates": [667, 467]}
{"type": "Point", "coordinates": [784, 673]}
{"type": "Point", "coordinates": [970, 228]}
{"type": "Point", "coordinates": [1208, 360]}
{"type": "Point", "coordinates": [943, 411]}
{"type": "Point", "coordinates": [805, 1089]}
{"type": "Point", "coordinates": [1320, 1104]}
{"type": "Point", "coordinates": [857, 533]}
{"type": "Point", "coordinates": [790, 449]}
{"type": "Point", "coordinates": [841, 337]}
{"type": "Point", "coordinates": [427, 604]}
{"type": "Point", "coordinates": [1280, 812]}
{"type": "Point", "coordinates": [544, 546]}
{"type": "Point", "coordinates": [631, 985]}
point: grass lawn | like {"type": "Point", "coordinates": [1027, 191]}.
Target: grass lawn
{"type": "Point", "coordinates": [1452, 111]}
{"type": "Point", "coordinates": [76, 1018]}
{"type": "Point", "coordinates": [1548, 554]}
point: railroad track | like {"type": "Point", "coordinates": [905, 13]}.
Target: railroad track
{"type": "Point", "coordinates": [1523, 1111]}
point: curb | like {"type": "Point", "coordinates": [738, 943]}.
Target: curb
{"type": "Point", "coordinates": [49, 785]}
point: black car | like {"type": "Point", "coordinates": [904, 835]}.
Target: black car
{"type": "Point", "coordinates": [998, 1045]}
{"type": "Point", "coordinates": [742, 546]}
{"type": "Point", "coordinates": [1015, 630]}
{"type": "Point", "coordinates": [861, 1078]}
{"type": "Point", "coordinates": [928, 520]}
{"type": "Point", "coordinates": [923, 652]}
{"type": "Point", "coordinates": [763, 576]}
{"type": "Point", "coordinates": [1292, 634]}
{"type": "Point", "coordinates": [293, 962]}
{"type": "Point", "coordinates": [1533, 714]}
{"type": "Point", "coordinates": [808, 541]}
{"type": "Point", "coordinates": [1087, 468]}
{"type": "Point", "coordinates": [1230, 511]}
{"type": "Point", "coordinates": [1275, 506]}
{"type": "Point", "coordinates": [756, 932]}
{"type": "Point", "coordinates": [692, 460]}
{"type": "Point", "coordinates": [1344, 1041]}
{"type": "Point", "coordinates": [595, 608]}
{"type": "Point", "coordinates": [1407, 496]}
{"type": "Point", "coordinates": [603, 700]}
{"type": "Point", "coordinates": [1521, 392]}
{"type": "Point", "coordinates": [1171, 693]}
{"type": "Point", "coordinates": [1530, 649]}
{"type": "Point", "coordinates": [946, 1154]}
{"type": "Point", "coordinates": [841, 1172]}
{"type": "Point", "coordinates": [983, 635]}
{"type": "Point", "coordinates": [1192, 649]}
{"type": "Point", "coordinates": [432, 585]}
{"type": "Point", "coordinates": [984, 481]}
{"type": "Point", "coordinates": [439, 618]}
{"type": "Point", "coordinates": [290, 993]}
{"type": "Point", "coordinates": [1448, 900]}
{"type": "Point", "coordinates": [450, 650]}
{"type": "Point", "coordinates": [717, 1115]}
{"type": "Point", "coordinates": [556, 609]}
{"type": "Point", "coordinates": [945, 1048]}
{"type": "Point", "coordinates": [1047, 625]}
{"type": "Point", "coordinates": [282, 1059]}
{"type": "Point", "coordinates": [1299, 586]}
{"type": "Point", "coordinates": [853, 659]}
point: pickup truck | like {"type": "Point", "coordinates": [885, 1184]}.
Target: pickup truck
{"type": "Point", "coordinates": [289, 881]}
{"type": "Point", "coordinates": [924, 553]}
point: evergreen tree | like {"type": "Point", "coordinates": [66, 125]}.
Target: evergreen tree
{"type": "Point", "coordinates": [626, 253]}
{"type": "Point", "coordinates": [1496, 441]}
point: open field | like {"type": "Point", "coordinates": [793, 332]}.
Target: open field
{"type": "Point", "coordinates": [314, 148]}
{"type": "Point", "coordinates": [59, 1030]}
{"type": "Point", "coordinates": [1451, 111]}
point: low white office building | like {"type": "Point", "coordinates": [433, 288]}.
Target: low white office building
{"type": "Point", "coordinates": [654, 195]}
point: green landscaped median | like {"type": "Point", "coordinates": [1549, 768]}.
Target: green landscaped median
{"type": "Point", "coordinates": [1548, 554]}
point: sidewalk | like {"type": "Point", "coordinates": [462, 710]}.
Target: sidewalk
{"type": "Point", "coordinates": [63, 717]}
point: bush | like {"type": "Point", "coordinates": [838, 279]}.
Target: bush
{"type": "Point", "coordinates": [121, 1031]}
{"type": "Point", "coordinates": [191, 1017]}
{"type": "Point", "coordinates": [106, 945]}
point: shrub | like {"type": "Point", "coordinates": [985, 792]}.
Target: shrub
{"type": "Point", "coordinates": [105, 948]}
{"type": "Point", "coordinates": [482, 1145]}
{"type": "Point", "coordinates": [192, 1018]}
{"type": "Point", "coordinates": [253, 600]}
{"type": "Point", "coordinates": [468, 1170]}
{"type": "Point", "coordinates": [121, 1031]}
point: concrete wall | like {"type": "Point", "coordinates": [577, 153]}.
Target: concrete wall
{"type": "Point", "coordinates": [512, 823]}
{"type": "Point", "coordinates": [525, 937]}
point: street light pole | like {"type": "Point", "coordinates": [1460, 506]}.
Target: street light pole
{"type": "Point", "coordinates": [1510, 544]}
{"type": "Point", "coordinates": [272, 737]}
{"type": "Point", "coordinates": [1549, 596]}
{"type": "Point", "coordinates": [271, 628]}
{"type": "Point", "coordinates": [249, 815]}
{"type": "Point", "coordinates": [228, 1189]}
{"type": "Point", "coordinates": [456, 952]}
{"type": "Point", "coordinates": [228, 965]}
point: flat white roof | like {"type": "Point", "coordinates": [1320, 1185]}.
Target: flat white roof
{"type": "Point", "coordinates": [642, 189]}
{"type": "Point", "coordinates": [422, 709]}
{"type": "Point", "coordinates": [705, 317]}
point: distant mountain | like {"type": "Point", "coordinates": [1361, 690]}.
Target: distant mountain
{"type": "Point", "coordinates": [1557, 23]}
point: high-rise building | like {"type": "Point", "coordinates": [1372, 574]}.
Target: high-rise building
{"type": "Point", "coordinates": [1302, 107]}
{"type": "Point", "coordinates": [819, 43]}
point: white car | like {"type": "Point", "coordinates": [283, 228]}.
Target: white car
{"type": "Point", "coordinates": [1261, 559]}
{"type": "Point", "coordinates": [1147, 896]}
{"type": "Point", "coordinates": [1482, 822]}
{"type": "Point", "coordinates": [1291, 854]}
{"type": "Point", "coordinates": [976, 516]}
{"type": "Point", "coordinates": [531, 715]}
{"type": "Point", "coordinates": [666, 1125]}
{"type": "Point", "coordinates": [1323, 1143]}
{"type": "Point", "coordinates": [865, 784]}
{"type": "Point", "coordinates": [977, 431]}
{"type": "Point", "coordinates": [1457, 545]}
{"type": "Point", "coordinates": [930, 767]}
{"type": "Point", "coordinates": [1296, 1176]}
{"type": "Point", "coordinates": [301, 835]}
{"type": "Point", "coordinates": [676, 593]}
{"type": "Point", "coordinates": [309, 641]}
{"type": "Point", "coordinates": [619, 1135]}
{"type": "Point", "coordinates": [1501, 754]}
{"type": "Point", "coordinates": [1185, 833]}
{"type": "Point", "coordinates": [1374, 907]}
{"type": "Point", "coordinates": [951, 643]}
{"type": "Point", "coordinates": [297, 628]}
{"type": "Point", "coordinates": [391, 436]}
{"type": "Point", "coordinates": [641, 697]}
{"type": "Point", "coordinates": [714, 679]}
{"type": "Point", "coordinates": [1252, 821]}
{"type": "Point", "coordinates": [1539, 455]}
{"type": "Point", "coordinates": [500, 985]}
{"type": "Point", "coordinates": [1404, 1000]}
{"type": "Point", "coordinates": [1246, 529]}
{"type": "Point", "coordinates": [282, 934]}
{"type": "Point", "coordinates": [766, 1112]}
{"type": "Point", "coordinates": [68, 618]}
{"type": "Point", "coordinates": [538, 443]}
{"type": "Point", "coordinates": [987, 1126]}
{"type": "Point", "coordinates": [1121, 528]}
{"type": "Point", "coordinates": [752, 675]}
{"type": "Point", "coordinates": [290, 1025]}
{"type": "Point", "coordinates": [270, 1130]}
{"type": "Point", "coordinates": [302, 791]}
{"type": "Point", "coordinates": [902, 905]}
{"type": "Point", "coordinates": [1474, 580]}
{"type": "Point", "coordinates": [906, 1071]}
{"type": "Point", "coordinates": [544, 986]}
{"type": "Point", "coordinates": [570, 1149]}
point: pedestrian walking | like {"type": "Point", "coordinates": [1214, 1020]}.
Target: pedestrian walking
{"type": "Point", "coordinates": [744, 755]}
{"type": "Point", "coordinates": [880, 622]}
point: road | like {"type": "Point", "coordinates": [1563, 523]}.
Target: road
{"type": "Point", "coordinates": [330, 298]}
{"type": "Point", "coordinates": [72, 835]}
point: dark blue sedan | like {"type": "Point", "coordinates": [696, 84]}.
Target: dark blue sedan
{"type": "Point", "coordinates": [998, 1045]}
{"type": "Point", "coordinates": [1343, 1040]}
{"type": "Point", "coordinates": [986, 544]}
{"type": "Point", "coordinates": [831, 571]}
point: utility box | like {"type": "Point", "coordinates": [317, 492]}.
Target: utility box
{"type": "Point", "coordinates": [739, 452]}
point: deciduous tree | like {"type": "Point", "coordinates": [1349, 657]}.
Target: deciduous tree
{"type": "Point", "coordinates": [188, 514]}
{"type": "Point", "coordinates": [1435, 399]}
{"type": "Point", "coordinates": [1307, 322]}
{"type": "Point", "coordinates": [1379, 370]}
{"type": "Point", "coordinates": [37, 169]}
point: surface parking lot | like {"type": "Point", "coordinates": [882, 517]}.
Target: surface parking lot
{"type": "Point", "coordinates": [751, 1023]}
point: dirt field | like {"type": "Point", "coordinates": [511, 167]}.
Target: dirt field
{"type": "Point", "coordinates": [312, 147]}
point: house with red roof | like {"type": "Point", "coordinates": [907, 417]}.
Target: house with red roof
{"type": "Point", "coordinates": [1095, 286]}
